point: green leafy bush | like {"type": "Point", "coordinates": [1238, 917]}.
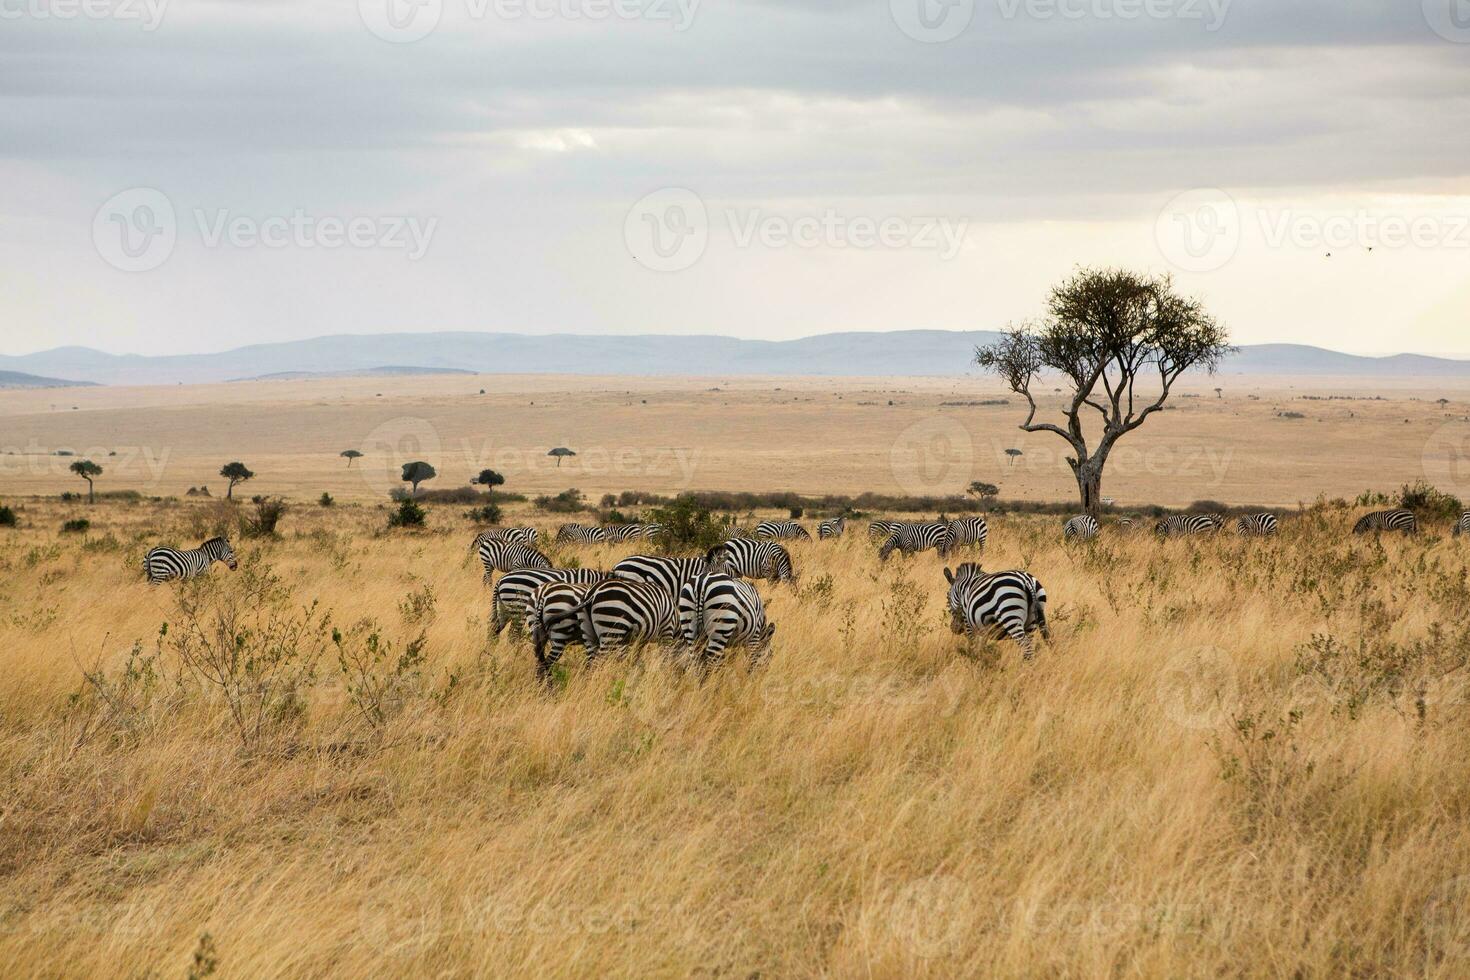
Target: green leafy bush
{"type": "Point", "coordinates": [408, 514]}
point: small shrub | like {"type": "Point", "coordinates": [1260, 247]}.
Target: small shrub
{"type": "Point", "coordinates": [566, 502]}
{"type": "Point", "coordinates": [8, 518]}
{"type": "Point", "coordinates": [262, 523]}
{"type": "Point", "coordinates": [1429, 501]}
{"type": "Point", "coordinates": [488, 514]}
{"type": "Point", "coordinates": [795, 512]}
{"type": "Point", "coordinates": [326, 499]}
{"type": "Point", "coordinates": [688, 526]}
{"type": "Point", "coordinates": [78, 525]}
{"type": "Point", "coordinates": [408, 514]}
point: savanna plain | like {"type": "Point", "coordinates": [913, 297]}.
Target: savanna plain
{"type": "Point", "coordinates": [1233, 757]}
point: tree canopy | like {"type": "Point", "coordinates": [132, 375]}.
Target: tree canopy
{"type": "Point", "coordinates": [350, 455]}
{"type": "Point", "coordinates": [87, 470]}
{"type": "Point", "coordinates": [417, 472]}
{"type": "Point", "coordinates": [236, 472]}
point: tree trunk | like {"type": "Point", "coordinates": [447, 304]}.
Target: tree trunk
{"type": "Point", "coordinates": [230, 491]}
{"type": "Point", "coordinates": [1089, 485]}
{"type": "Point", "coordinates": [91, 493]}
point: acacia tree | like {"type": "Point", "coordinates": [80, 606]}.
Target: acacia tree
{"type": "Point", "coordinates": [489, 479]}
{"type": "Point", "coordinates": [236, 473]}
{"type": "Point", "coordinates": [416, 473]}
{"type": "Point", "coordinates": [350, 454]}
{"type": "Point", "coordinates": [87, 470]}
{"type": "Point", "coordinates": [1121, 340]}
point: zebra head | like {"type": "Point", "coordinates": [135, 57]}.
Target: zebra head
{"type": "Point", "coordinates": [760, 646]}
{"type": "Point", "coordinates": [717, 560]}
{"type": "Point", "coordinates": [779, 566]}
{"type": "Point", "coordinates": [218, 549]}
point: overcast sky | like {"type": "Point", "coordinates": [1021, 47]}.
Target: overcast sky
{"type": "Point", "coordinates": [195, 175]}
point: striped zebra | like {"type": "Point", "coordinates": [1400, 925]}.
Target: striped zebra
{"type": "Point", "coordinates": [509, 556]}
{"type": "Point", "coordinates": [514, 590]}
{"type": "Point", "coordinates": [162, 564]}
{"type": "Point", "coordinates": [1462, 526]}
{"type": "Point", "coordinates": [625, 532]}
{"type": "Point", "coordinates": [1083, 527]}
{"type": "Point", "coordinates": [523, 535]}
{"type": "Point", "coordinates": [581, 534]}
{"type": "Point", "coordinates": [1183, 525]}
{"type": "Point", "coordinates": [618, 613]}
{"type": "Point", "coordinates": [669, 574]}
{"type": "Point", "coordinates": [1257, 525]}
{"type": "Point", "coordinates": [550, 619]}
{"type": "Point", "coordinates": [781, 530]}
{"type": "Point", "coordinates": [751, 559]}
{"type": "Point", "coordinates": [831, 529]}
{"type": "Point", "coordinates": [883, 530]}
{"type": "Point", "coordinates": [968, 531]}
{"type": "Point", "coordinates": [725, 612]}
{"type": "Point", "coordinates": [1013, 603]}
{"type": "Point", "coordinates": [1402, 521]}
{"type": "Point", "coordinates": [913, 538]}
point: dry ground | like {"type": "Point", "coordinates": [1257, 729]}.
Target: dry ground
{"type": "Point", "coordinates": [664, 435]}
{"type": "Point", "coordinates": [1183, 783]}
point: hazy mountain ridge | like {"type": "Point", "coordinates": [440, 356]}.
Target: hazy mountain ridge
{"type": "Point", "coordinates": [20, 379]}
{"type": "Point", "coordinates": [907, 352]}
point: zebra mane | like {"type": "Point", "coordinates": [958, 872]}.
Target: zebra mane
{"type": "Point", "coordinates": [216, 540]}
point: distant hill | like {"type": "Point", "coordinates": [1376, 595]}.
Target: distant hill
{"type": "Point", "coordinates": [18, 379]}
{"type": "Point", "coordinates": [377, 372]}
{"type": "Point", "coordinates": [905, 352]}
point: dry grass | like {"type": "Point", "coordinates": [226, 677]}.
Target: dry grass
{"type": "Point", "coordinates": [1180, 784]}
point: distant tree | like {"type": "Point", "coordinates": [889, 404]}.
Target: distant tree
{"type": "Point", "coordinates": [235, 473]}
{"type": "Point", "coordinates": [418, 472]}
{"type": "Point", "coordinates": [985, 491]}
{"type": "Point", "coordinates": [87, 470]}
{"type": "Point", "coordinates": [1219, 392]}
{"type": "Point", "coordinates": [1108, 329]}
{"type": "Point", "coordinates": [350, 455]}
{"type": "Point", "coordinates": [1013, 453]}
{"type": "Point", "coordinates": [1442, 402]}
{"type": "Point", "coordinates": [489, 479]}
{"type": "Point", "coordinates": [560, 452]}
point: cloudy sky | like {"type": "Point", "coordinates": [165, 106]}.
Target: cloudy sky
{"type": "Point", "coordinates": [194, 175]}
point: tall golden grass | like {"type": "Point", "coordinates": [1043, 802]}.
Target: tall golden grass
{"type": "Point", "coordinates": [1234, 757]}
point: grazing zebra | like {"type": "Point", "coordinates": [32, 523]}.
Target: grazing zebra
{"type": "Point", "coordinates": [1186, 524]}
{"type": "Point", "coordinates": [523, 535]}
{"type": "Point", "coordinates": [726, 612]}
{"type": "Point", "coordinates": [623, 532]}
{"type": "Point", "coordinates": [781, 529]}
{"type": "Point", "coordinates": [669, 574]}
{"type": "Point", "coordinates": [508, 556]}
{"type": "Point", "coordinates": [1388, 520]}
{"type": "Point", "coordinates": [883, 530]}
{"type": "Point", "coordinates": [162, 564]}
{"type": "Point", "coordinates": [581, 534]}
{"type": "Point", "coordinates": [1010, 602]}
{"type": "Point", "coordinates": [1083, 527]}
{"type": "Point", "coordinates": [751, 559]}
{"type": "Point", "coordinates": [620, 612]}
{"type": "Point", "coordinates": [1462, 526]}
{"type": "Point", "coordinates": [514, 590]}
{"type": "Point", "coordinates": [912, 538]}
{"type": "Point", "coordinates": [550, 618]}
{"type": "Point", "coordinates": [831, 529]}
{"type": "Point", "coordinates": [968, 530]}
{"type": "Point", "coordinates": [1257, 525]}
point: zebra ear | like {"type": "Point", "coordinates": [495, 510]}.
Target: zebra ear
{"type": "Point", "coordinates": [948, 575]}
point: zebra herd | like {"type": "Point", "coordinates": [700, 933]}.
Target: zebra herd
{"type": "Point", "coordinates": [707, 605]}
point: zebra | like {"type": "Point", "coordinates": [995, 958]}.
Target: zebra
{"type": "Point", "coordinates": [781, 529]}
{"type": "Point", "coordinates": [1261, 525]}
{"type": "Point", "coordinates": [727, 612]}
{"type": "Point", "coordinates": [623, 532]}
{"type": "Point", "coordinates": [911, 538]}
{"type": "Point", "coordinates": [514, 589]}
{"type": "Point", "coordinates": [1083, 527]}
{"type": "Point", "coordinates": [551, 621]}
{"type": "Point", "coordinates": [581, 534]}
{"type": "Point", "coordinates": [669, 574]}
{"type": "Point", "coordinates": [968, 530]}
{"type": "Point", "coordinates": [619, 612]}
{"type": "Point", "coordinates": [751, 559]}
{"type": "Point", "coordinates": [1388, 520]}
{"type": "Point", "coordinates": [162, 564]}
{"type": "Point", "coordinates": [831, 529]}
{"type": "Point", "coordinates": [1187, 524]}
{"type": "Point", "coordinates": [883, 530]}
{"type": "Point", "coordinates": [1462, 526]}
{"type": "Point", "coordinates": [523, 535]}
{"type": "Point", "coordinates": [508, 556]}
{"type": "Point", "coordinates": [1010, 602]}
